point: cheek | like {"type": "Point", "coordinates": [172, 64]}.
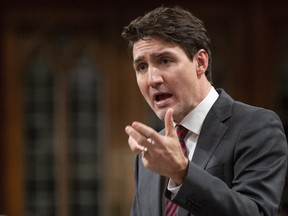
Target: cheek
{"type": "Point", "coordinates": [184, 90]}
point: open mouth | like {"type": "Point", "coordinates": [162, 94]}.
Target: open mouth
{"type": "Point", "coordinates": [162, 96]}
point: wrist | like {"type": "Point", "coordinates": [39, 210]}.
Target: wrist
{"type": "Point", "coordinates": [181, 174]}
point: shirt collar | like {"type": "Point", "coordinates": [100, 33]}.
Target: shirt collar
{"type": "Point", "coordinates": [194, 120]}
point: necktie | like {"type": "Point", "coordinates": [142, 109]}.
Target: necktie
{"type": "Point", "coordinates": [171, 208]}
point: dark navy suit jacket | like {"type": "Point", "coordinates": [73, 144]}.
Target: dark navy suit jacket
{"type": "Point", "coordinates": [238, 167]}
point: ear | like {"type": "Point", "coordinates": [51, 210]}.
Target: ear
{"type": "Point", "coordinates": [201, 57]}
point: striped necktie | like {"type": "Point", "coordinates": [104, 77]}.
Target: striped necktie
{"type": "Point", "coordinates": [171, 208]}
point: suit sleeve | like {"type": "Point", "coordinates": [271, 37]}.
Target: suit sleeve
{"type": "Point", "coordinates": [257, 165]}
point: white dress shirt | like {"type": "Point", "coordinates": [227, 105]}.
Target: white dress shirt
{"type": "Point", "coordinates": [193, 122]}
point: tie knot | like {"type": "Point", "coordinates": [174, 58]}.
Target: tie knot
{"type": "Point", "coordinates": [181, 132]}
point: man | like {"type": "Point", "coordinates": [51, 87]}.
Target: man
{"type": "Point", "coordinates": [234, 157]}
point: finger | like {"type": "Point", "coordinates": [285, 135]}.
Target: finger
{"type": "Point", "coordinates": [138, 149]}
{"type": "Point", "coordinates": [149, 135]}
{"type": "Point", "coordinates": [139, 139]}
{"type": "Point", "coordinates": [169, 126]}
{"type": "Point", "coordinates": [134, 146]}
{"type": "Point", "coordinates": [143, 153]}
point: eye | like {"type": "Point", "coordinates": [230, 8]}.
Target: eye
{"type": "Point", "coordinates": [165, 60]}
{"type": "Point", "coordinates": [141, 67]}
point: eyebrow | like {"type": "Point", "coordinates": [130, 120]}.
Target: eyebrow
{"type": "Point", "coordinates": [138, 59]}
{"type": "Point", "coordinates": [154, 55]}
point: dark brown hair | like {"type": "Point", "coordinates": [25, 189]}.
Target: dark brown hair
{"type": "Point", "coordinates": [171, 24]}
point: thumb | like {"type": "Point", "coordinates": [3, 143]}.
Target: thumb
{"type": "Point", "coordinates": [169, 126]}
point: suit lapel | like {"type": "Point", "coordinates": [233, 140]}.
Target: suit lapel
{"type": "Point", "coordinates": [213, 129]}
{"type": "Point", "coordinates": [209, 139]}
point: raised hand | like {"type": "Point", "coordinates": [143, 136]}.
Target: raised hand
{"type": "Point", "coordinates": [164, 154]}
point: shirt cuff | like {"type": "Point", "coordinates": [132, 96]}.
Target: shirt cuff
{"type": "Point", "coordinates": [173, 188]}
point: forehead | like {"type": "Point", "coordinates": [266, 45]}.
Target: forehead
{"type": "Point", "coordinates": [153, 46]}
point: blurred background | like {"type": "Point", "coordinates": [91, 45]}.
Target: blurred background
{"type": "Point", "coordinates": [68, 90]}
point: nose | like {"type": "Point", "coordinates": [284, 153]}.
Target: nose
{"type": "Point", "coordinates": [154, 77]}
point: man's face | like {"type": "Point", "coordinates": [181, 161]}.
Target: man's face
{"type": "Point", "coordinates": [167, 78]}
